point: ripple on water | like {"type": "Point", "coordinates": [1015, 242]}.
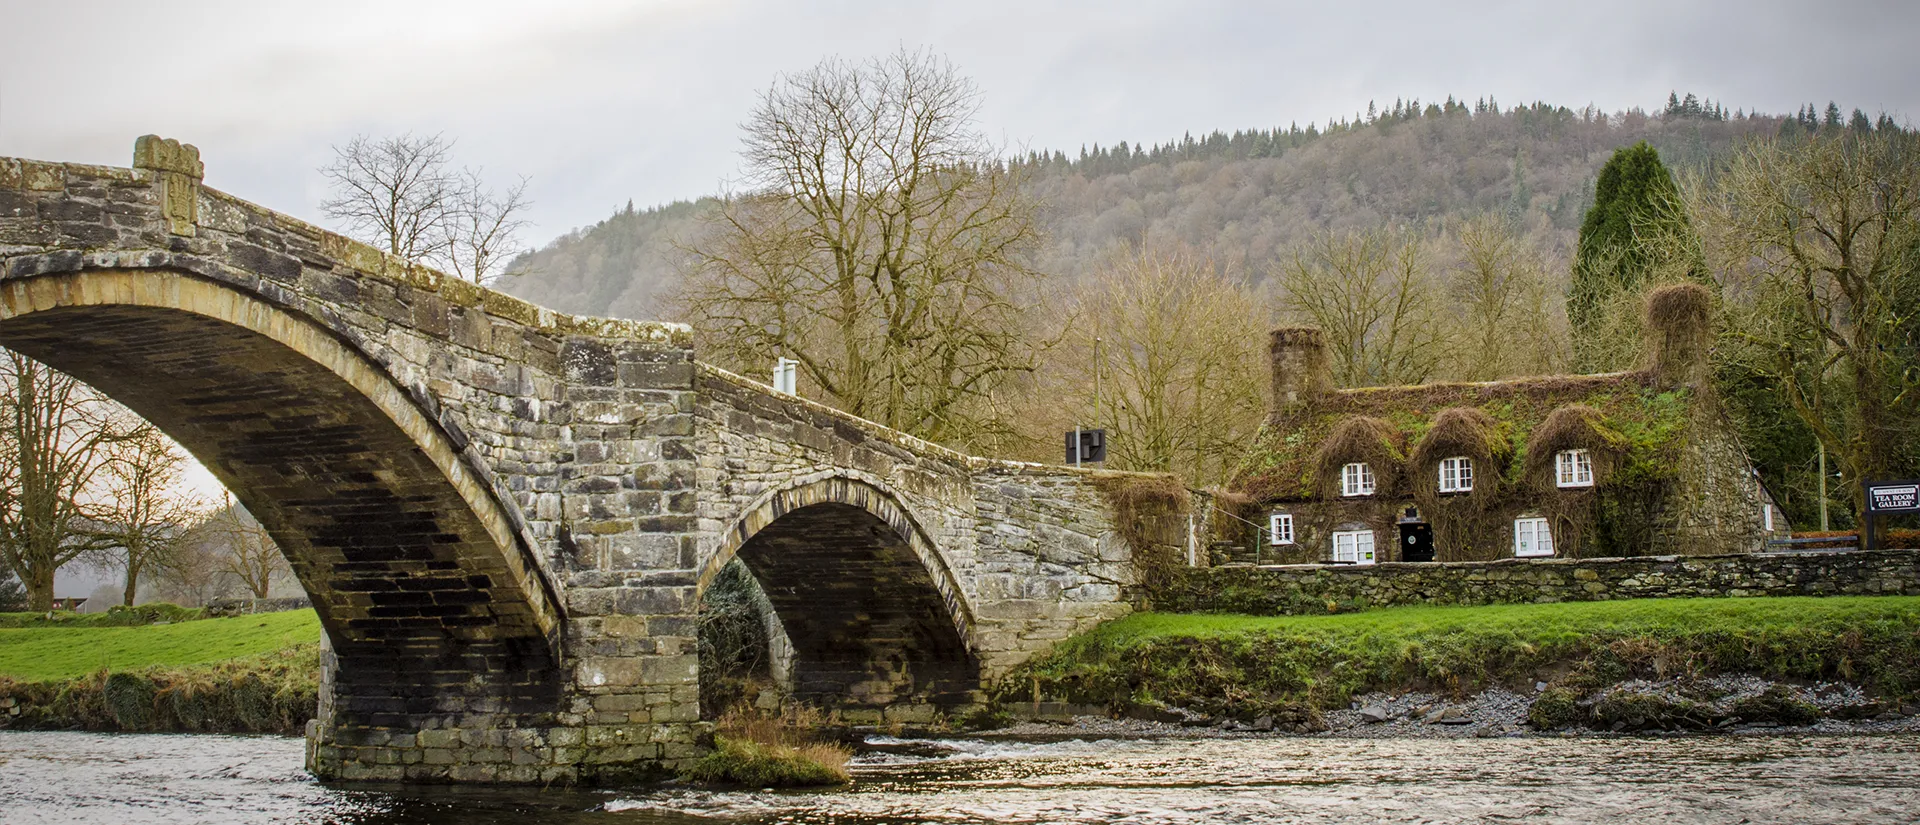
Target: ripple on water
{"type": "Point", "coordinates": [58, 778]}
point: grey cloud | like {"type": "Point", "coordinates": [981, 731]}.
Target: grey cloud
{"type": "Point", "coordinates": [602, 102]}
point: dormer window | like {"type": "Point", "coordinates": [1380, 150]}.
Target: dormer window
{"type": "Point", "coordinates": [1573, 468]}
{"type": "Point", "coordinates": [1456, 475]}
{"type": "Point", "coordinates": [1356, 479]}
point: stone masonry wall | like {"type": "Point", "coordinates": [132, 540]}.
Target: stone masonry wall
{"type": "Point", "coordinates": [1031, 548]}
{"type": "Point", "coordinates": [1319, 589]}
{"type": "Point", "coordinates": [560, 434]}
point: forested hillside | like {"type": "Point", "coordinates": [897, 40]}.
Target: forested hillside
{"type": "Point", "coordinates": [1239, 198]}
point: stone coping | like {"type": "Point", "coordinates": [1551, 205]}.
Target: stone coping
{"type": "Point", "coordinates": [50, 176]}
{"type": "Point", "coordinates": [915, 443]}
{"type": "Point", "coordinates": [1389, 566]}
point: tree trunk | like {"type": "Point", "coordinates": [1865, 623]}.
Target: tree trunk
{"type": "Point", "coordinates": [39, 582]}
{"type": "Point", "coordinates": [133, 583]}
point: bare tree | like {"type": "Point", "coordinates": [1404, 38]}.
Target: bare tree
{"type": "Point", "coordinates": [395, 190]}
{"type": "Point", "coordinates": [1504, 309]}
{"type": "Point", "coordinates": [196, 572]}
{"type": "Point", "coordinates": [1164, 347]}
{"type": "Point", "coordinates": [57, 439]}
{"type": "Point", "coordinates": [251, 556]}
{"type": "Point", "coordinates": [149, 511]}
{"type": "Point", "coordinates": [879, 243]}
{"type": "Point", "coordinates": [1372, 295]}
{"type": "Point", "coordinates": [483, 228]}
{"type": "Point", "coordinates": [1818, 240]}
{"type": "Point", "coordinates": [403, 194]}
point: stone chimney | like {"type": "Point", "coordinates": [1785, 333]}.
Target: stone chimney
{"type": "Point", "coordinates": [1299, 359]}
{"type": "Point", "coordinates": [1679, 334]}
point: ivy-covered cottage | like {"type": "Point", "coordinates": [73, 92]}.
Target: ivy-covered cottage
{"type": "Point", "coordinates": [1620, 464]}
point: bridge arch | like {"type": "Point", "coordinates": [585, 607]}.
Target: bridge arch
{"type": "Point", "coordinates": [873, 613]}
{"type": "Point", "coordinates": [433, 604]}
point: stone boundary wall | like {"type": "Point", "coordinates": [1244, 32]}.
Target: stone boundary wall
{"type": "Point", "coordinates": [247, 607]}
{"type": "Point", "coordinates": [1319, 589]}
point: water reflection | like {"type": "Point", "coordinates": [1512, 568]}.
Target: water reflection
{"type": "Point", "coordinates": [150, 779]}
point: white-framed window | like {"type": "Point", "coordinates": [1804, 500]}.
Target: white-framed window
{"type": "Point", "coordinates": [1573, 468]}
{"type": "Point", "coordinates": [1532, 538]}
{"type": "Point", "coordinates": [1356, 479]}
{"type": "Point", "coordinates": [1766, 517]}
{"type": "Point", "coordinates": [1353, 546]}
{"type": "Point", "coordinates": [1280, 528]}
{"type": "Point", "coordinates": [1456, 474]}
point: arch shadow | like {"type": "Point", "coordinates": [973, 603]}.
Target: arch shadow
{"type": "Point", "coordinates": [872, 612]}
{"type": "Point", "coordinates": [431, 603]}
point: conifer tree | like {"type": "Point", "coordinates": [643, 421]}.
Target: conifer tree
{"type": "Point", "coordinates": [1635, 225]}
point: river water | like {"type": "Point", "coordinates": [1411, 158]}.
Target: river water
{"type": "Point", "coordinates": [50, 778]}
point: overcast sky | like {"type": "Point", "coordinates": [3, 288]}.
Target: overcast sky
{"type": "Point", "coordinates": [600, 102]}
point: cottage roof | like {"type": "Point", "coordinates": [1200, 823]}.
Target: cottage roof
{"type": "Point", "coordinates": [1642, 419]}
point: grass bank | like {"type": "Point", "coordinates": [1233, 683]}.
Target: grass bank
{"type": "Point", "coordinates": [70, 649]}
{"type": "Point", "coordinates": [771, 750]}
{"type": "Point", "coordinates": [254, 673]}
{"type": "Point", "coordinates": [1291, 667]}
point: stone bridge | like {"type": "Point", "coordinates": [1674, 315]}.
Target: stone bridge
{"type": "Point", "coordinates": [505, 516]}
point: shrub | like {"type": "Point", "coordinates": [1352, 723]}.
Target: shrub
{"type": "Point", "coordinates": [129, 698]}
{"type": "Point", "coordinates": [746, 762]}
{"type": "Point", "coordinates": [771, 751]}
{"type": "Point", "coordinates": [1778, 704]}
{"type": "Point", "coordinates": [1630, 711]}
{"type": "Point", "coordinates": [1555, 709]}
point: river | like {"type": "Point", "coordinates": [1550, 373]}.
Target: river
{"type": "Point", "coordinates": [51, 778]}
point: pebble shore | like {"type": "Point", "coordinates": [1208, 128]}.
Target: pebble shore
{"type": "Point", "coordinates": [1500, 711]}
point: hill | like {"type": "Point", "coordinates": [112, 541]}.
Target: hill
{"type": "Point", "coordinates": [1241, 196]}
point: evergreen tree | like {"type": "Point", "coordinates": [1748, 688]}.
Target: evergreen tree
{"type": "Point", "coordinates": [1623, 241]}
{"type": "Point", "coordinates": [13, 597]}
{"type": "Point", "coordinates": [1833, 115]}
{"type": "Point", "coordinates": [1522, 194]}
{"type": "Point", "coordinates": [1859, 123]}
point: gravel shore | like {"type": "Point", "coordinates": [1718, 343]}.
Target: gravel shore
{"type": "Point", "coordinates": [1503, 712]}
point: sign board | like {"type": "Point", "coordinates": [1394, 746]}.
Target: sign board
{"type": "Point", "coordinates": [1886, 498]}
{"type": "Point", "coordinates": [1894, 497]}
{"type": "Point", "coordinates": [1086, 446]}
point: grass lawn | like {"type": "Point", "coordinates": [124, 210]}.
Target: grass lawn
{"type": "Point", "coordinates": [66, 652]}
{"type": "Point", "coordinates": [1539, 623]}
{"type": "Point", "coordinates": [1231, 661]}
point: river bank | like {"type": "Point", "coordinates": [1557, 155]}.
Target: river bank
{"type": "Point", "coordinates": [159, 669]}
{"type": "Point", "coordinates": [1851, 664]}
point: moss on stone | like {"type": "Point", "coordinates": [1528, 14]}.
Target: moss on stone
{"type": "Point", "coordinates": [1778, 704]}
{"type": "Point", "coordinates": [1555, 709]}
{"type": "Point", "coordinates": [1649, 422]}
{"type": "Point", "coordinates": [1625, 710]}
